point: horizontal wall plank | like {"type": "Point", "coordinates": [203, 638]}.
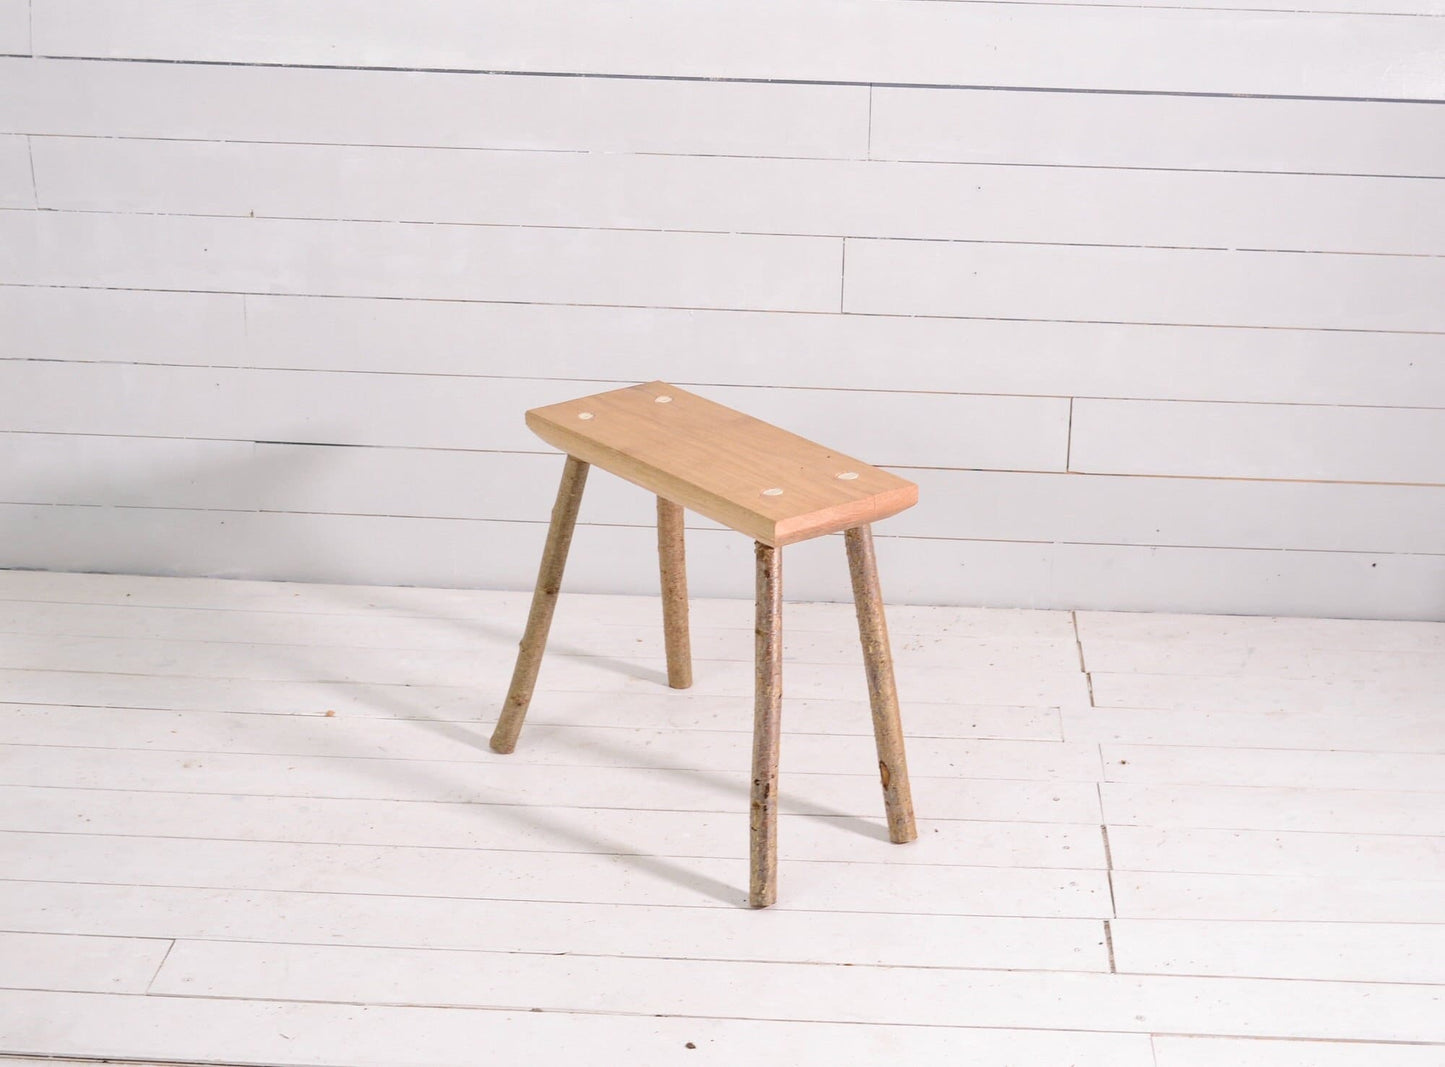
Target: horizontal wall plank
{"type": "Point", "coordinates": [580, 929]}
{"type": "Point", "coordinates": [377, 1036]}
{"type": "Point", "coordinates": [1004, 505]}
{"type": "Point", "coordinates": [899, 429]}
{"type": "Point", "coordinates": [862, 995]}
{"type": "Point", "coordinates": [1208, 133]}
{"type": "Point", "coordinates": [1053, 205]}
{"type": "Point", "coordinates": [431, 262]}
{"type": "Point", "coordinates": [445, 553]}
{"type": "Point", "coordinates": [237, 103]}
{"type": "Point", "coordinates": [16, 188]}
{"type": "Point", "coordinates": [79, 963]}
{"type": "Point", "coordinates": [1208, 1051]}
{"type": "Point", "coordinates": [727, 347]}
{"type": "Point", "coordinates": [15, 26]}
{"type": "Point", "coordinates": [1259, 441]}
{"type": "Point", "coordinates": [862, 40]}
{"type": "Point", "coordinates": [377, 107]}
{"type": "Point", "coordinates": [1189, 286]}
{"type": "Point", "coordinates": [1348, 952]}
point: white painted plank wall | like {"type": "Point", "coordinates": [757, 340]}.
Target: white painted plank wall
{"type": "Point", "coordinates": [1146, 298]}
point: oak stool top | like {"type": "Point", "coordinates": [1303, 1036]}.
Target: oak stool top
{"type": "Point", "coordinates": [774, 486]}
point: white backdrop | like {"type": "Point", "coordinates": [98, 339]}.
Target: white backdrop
{"type": "Point", "coordinates": [1148, 299]}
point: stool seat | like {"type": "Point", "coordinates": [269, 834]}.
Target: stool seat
{"type": "Point", "coordinates": [774, 486]}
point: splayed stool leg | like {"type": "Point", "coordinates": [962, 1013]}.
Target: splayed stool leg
{"type": "Point", "coordinates": [882, 692]}
{"type": "Point", "coordinates": [544, 602]}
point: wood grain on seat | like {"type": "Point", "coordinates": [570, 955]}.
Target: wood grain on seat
{"type": "Point", "coordinates": [763, 481]}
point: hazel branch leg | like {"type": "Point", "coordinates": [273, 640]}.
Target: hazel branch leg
{"type": "Point", "coordinates": [882, 693]}
{"type": "Point", "coordinates": [672, 559]}
{"type": "Point", "coordinates": [544, 602]}
{"type": "Point", "coordinates": [767, 717]}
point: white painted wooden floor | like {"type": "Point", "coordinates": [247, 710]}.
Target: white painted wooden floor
{"type": "Point", "coordinates": [259, 824]}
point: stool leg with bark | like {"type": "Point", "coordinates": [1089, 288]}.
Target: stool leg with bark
{"type": "Point", "coordinates": [544, 602]}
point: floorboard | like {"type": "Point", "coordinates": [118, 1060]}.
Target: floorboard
{"type": "Point", "coordinates": [249, 823]}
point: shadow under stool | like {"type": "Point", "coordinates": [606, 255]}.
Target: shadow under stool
{"type": "Point", "coordinates": [762, 481]}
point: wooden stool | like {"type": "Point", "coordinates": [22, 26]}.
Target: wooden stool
{"type": "Point", "coordinates": [775, 487]}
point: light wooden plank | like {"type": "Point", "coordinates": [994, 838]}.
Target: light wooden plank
{"type": "Point", "coordinates": [748, 474]}
{"type": "Point", "coordinates": [1021, 626]}
{"type": "Point", "coordinates": [378, 107]}
{"type": "Point", "coordinates": [1349, 952]}
{"type": "Point", "coordinates": [384, 723]}
{"type": "Point", "coordinates": [727, 347]}
{"type": "Point", "coordinates": [17, 189]}
{"type": "Point", "coordinates": [930, 44]}
{"type": "Point", "coordinates": [79, 963]}
{"type": "Point", "coordinates": [712, 750]}
{"type": "Point", "coordinates": [1186, 286]}
{"type": "Point", "coordinates": [1012, 504]}
{"type": "Point", "coordinates": [473, 413]}
{"type": "Point", "coordinates": [354, 702]}
{"type": "Point", "coordinates": [1350, 811]}
{"type": "Point", "coordinates": [787, 991]}
{"type": "Point", "coordinates": [335, 1035]}
{"type": "Point", "coordinates": [1241, 633]}
{"type": "Point", "coordinates": [567, 877]}
{"type": "Point", "coordinates": [1380, 729]}
{"type": "Point", "coordinates": [1094, 130]}
{"type": "Point", "coordinates": [557, 928]}
{"type": "Point", "coordinates": [579, 632]}
{"type": "Point", "coordinates": [1284, 660]}
{"type": "Point", "coordinates": [1042, 681]}
{"type": "Point", "coordinates": [517, 782]}
{"type": "Point", "coordinates": [1265, 897]}
{"type": "Point", "coordinates": [1258, 441]}
{"type": "Point", "coordinates": [744, 195]}
{"type": "Point", "coordinates": [604, 831]}
{"type": "Point", "coordinates": [1323, 855]}
{"type": "Point", "coordinates": [1180, 692]}
{"type": "Point", "coordinates": [1207, 1051]}
{"type": "Point", "coordinates": [433, 552]}
{"type": "Point", "coordinates": [431, 262]}
{"type": "Point", "coordinates": [1305, 769]}
{"type": "Point", "coordinates": [716, 749]}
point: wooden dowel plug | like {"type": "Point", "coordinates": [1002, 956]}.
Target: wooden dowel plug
{"type": "Point", "coordinates": [882, 693]}
{"type": "Point", "coordinates": [767, 717]}
{"type": "Point", "coordinates": [672, 558]}
{"type": "Point", "coordinates": [544, 601]}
